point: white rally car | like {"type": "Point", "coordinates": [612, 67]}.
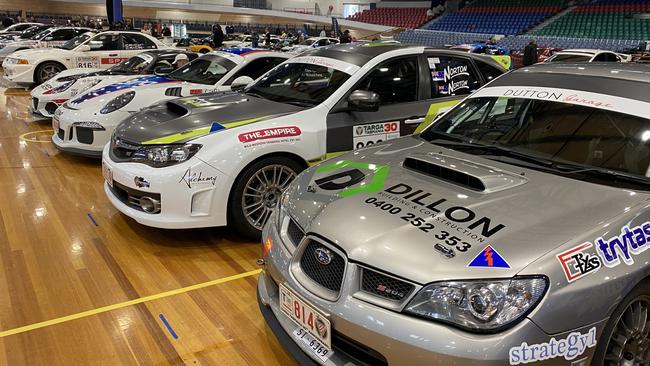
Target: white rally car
{"type": "Point", "coordinates": [224, 158]}
{"type": "Point", "coordinates": [47, 97]}
{"type": "Point", "coordinates": [309, 43]}
{"type": "Point", "coordinates": [99, 51]}
{"type": "Point", "coordinates": [48, 38]}
{"type": "Point", "coordinates": [84, 125]}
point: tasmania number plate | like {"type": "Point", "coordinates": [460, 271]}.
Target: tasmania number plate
{"type": "Point", "coordinates": [314, 323]}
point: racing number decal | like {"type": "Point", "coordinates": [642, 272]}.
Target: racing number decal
{"type": "Point", "coordinates": [374, 133]}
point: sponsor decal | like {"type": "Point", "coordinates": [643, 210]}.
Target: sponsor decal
{"type": "Point", "coordinates": [112, 60]}
{"type": "Point", "coordinates": [574, 345]}
{"type": "Point", "coordinates": [632, 241]}
{"type": "Point", "coordinates": [321, 328]}
{"type": "Point", "coordinates": [534, 94]}
{"type": "Point", "coordinates": [141, 182]}
{"type": "Point", "coordinates": [489, 258]}
{"type": "Point", "coordinates": [374, 133]}
{"type": "Point", "coordinates": [350, 175]}
{"type": "Point", "coordinates": [87, 62]}
{"type": "Point", "coordinates": [197, 102]}
{"type": "Point", "coordinates": [216, 127]}
{"type": "Point", "coordinates": [196, 91]}
{"type": "Point", "coordinates": [579, 261]}
{"type": "Point", "coordinates": [447, 252]}
{"type": "Point", "coordinates": [141, 81]}
{"type": "Point", "coordinates": [269, 133]}
{"type": "Point", "coordinates": [193, 178]}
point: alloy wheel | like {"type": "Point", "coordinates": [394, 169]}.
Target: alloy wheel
{"type": "Point", "coordinates": [262, 192]}
{"type": "Point", "coordinates": [629, 344]}
{"type": "Point", "coordinates": [49, 71]}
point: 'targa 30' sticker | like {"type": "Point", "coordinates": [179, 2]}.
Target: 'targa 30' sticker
{"type": "Point", "coordinates": [574, 345]}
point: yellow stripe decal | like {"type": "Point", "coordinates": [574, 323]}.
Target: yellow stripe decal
{"type": "Point", "coordinates": [170, 139]}
{"type": "Point", "coordinates": [108, 308]}
{"type": "Point", "coordinates": [434, 110]}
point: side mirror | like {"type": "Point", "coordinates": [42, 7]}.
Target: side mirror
{"type": "Point", "coordinates": [363, 101]}
{"type": "Point", "coordinates": [240, 83]}
{"type": "Point", "coordinates": [84, 48]}
{"type": "Point", "coordinates": [163, 70]}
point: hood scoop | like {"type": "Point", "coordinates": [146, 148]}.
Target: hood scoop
{"type": "Point", "coordinates": [176, 110]}
{"type": "Point", "coordinates": [463, 173]}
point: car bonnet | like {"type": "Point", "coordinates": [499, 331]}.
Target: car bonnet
{"type": "Point", "coordinates": [184, 119]}
{"type": "Point", "coordinates": [397, 206]}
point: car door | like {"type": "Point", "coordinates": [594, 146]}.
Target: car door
{"type": "Point", "coordinates": [402, 96]}
{"type": "Point", "coordinates": [105, 51]}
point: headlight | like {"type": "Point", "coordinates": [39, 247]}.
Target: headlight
{"type": "Point", "coordinates": [280, 210]}
{"type": "Point", "coordinates": [479, 306]}
{"type": "Point", "coordinates": [91, 125]}
{"type": "Point", "coordinates": [118, 102]}
{"type": "Point", "coordinates": [165, 155]}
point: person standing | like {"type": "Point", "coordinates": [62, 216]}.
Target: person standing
{"type": "Point", "coordinates": [217, 36]}
{"type": "Point", "coordinates": [345, 37]}
{"type": "Point", "coordinates": [267, 38]}
{"type": "Point", "coordinates": [530, 53]}
{"type": "Point", "coordinates": [323, 33]}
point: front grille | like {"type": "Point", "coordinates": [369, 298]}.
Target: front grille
{"type": "Point", "coordinates": [50, 107]}
{"type": "Point", "coordinates": [384, 286]}
{"type": "Point", "coordinates": [131, 197]}
{"type": "Point", "coordinates": [122, 150]}
{"type": "Point", "coordinates": [35, 102]}
{"type": "Point", "coordinates": [294, 232]}
{"type": "Point", "coordinates": [357, 351]}
{"type": "Point", "coordinates": [85, 135]}
{"type": "Point", "coordinates": [328, 275]}
{"type": "Point", "coordinates": [61, 134]}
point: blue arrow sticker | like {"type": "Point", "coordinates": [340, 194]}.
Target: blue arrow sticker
{"type": "Point", "coordinates": [216, 126]}
{"type": "Point", "coordinates": [489, 258]}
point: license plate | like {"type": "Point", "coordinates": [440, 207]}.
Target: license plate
{"type": "Point", "coordinates": [107, 173]}
{"type": "Point", "coordinates": [315, 323]}
{"type": "Point", "coordinates": [316, 347]}
{"type": "Point", "coordinates": [55, 124]}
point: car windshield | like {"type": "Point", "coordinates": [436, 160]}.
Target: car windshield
{"type": "Point", "coordinates": [299, 83]}
{"type": "Point", "coordinates": [33, 32]}
{"type": "Point", "coordinates": [567, 58]}
{"type": "Point", "coordinates": [208, 70]}
{"type": "Point", "coordinates": [76, 41]}
{"type": "Point", "coordinates": [40, 35]}
{"type": "Point", "coordinates": [134, 65]}
{"type": "Point", "coordinates": [567, 139]}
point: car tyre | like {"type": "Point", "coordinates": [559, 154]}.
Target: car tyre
{"type": "Point", "coordinates": [626, 338]}
{"type": "Point", "coordinates": [46, 71]}
{"type": "Point", "coordinates": [257, 191]}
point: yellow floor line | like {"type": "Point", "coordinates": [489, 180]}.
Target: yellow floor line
{"type": "Point", "coordinates": [23, 137]}
{"type": "Point", "coordinates": [107, 308]}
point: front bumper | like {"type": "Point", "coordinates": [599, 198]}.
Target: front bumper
{"type": "Point", "coordinates": [22, 74]}
{"type": "Point", "coordinates": [83, 140]}
{"type": "Point", "coordinates": [363, 333]}
{"type": "Point", "coordinates": [184, 202]}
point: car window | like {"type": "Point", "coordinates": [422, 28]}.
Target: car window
{"type": "Point", "coordinates": [137, 42]}
{"type": "Point", "coordinates": [551, 130]}
{"type": "Point", "coordinates": [569, 58]}
{"type": "Point", "coordinates": [62, 34]}
{"type": "Point", "coordinates": [105, 42]}
{"type": "Point", "coordinates": [323, 42]}
{"type": "Point", "coordinates": [206, 70]}
{"type": "Point", "coordinates": [256, 68]}
{"type": "Point", "coordinates": [606, 57]}
{"type": "Point", "coordinates": [299, 83]}
{"type": "Point", "coordinates": [133, 65]}
{"type": "Point", "coordinates": [76, 41]}
{"type": "Point", "coordinates": [451, 76]}
{"type": "Point", "coordinates": [488, 71]}
{"type": "Point", "coordinates": [395, 81]}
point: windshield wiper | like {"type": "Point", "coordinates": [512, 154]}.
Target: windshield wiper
{"type": "Point", "coordinates": [497, 150]}
{"type": "Point", "coordinates": [301, 103]}
{"type": "Point", "coordinates": [602, 172]}
{"type": "Point", "coordinates": [253, 94]}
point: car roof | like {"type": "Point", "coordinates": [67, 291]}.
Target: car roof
{"type": "Point", "coordinates": [583, 51]}
{"type": "Point", "coordinates": [167, 52]}
{"type": "Point", "coordinates": [625, 80]}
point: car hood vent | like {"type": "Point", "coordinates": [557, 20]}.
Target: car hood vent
{"type": "Point", "coordinates": [463, 173]}
{"type": "Point", "coordinates": [173, 92]}
{"type": "Point", "coordinates": [176, 110]}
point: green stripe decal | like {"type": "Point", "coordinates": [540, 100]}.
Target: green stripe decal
{"type": "Point", "coordinates": [170, 139]}
{"type": "Point", "coordinates": [434, 110]}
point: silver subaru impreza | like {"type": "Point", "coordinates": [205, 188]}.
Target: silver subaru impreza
{"type": "Point", "coordinates": [512, 230]}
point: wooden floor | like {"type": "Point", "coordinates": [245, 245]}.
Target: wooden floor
{"type": "Point", "coordinates": [81, 284]}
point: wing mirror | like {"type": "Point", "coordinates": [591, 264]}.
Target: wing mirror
{"type": "Point", "coordinates": [84, 48]}
{"type": "Point", "coordinates": [240, 83]}
{"type": "Point", "coordinates": [363, 101]}
{"type": "Point", "coordinates": [163, 70]}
